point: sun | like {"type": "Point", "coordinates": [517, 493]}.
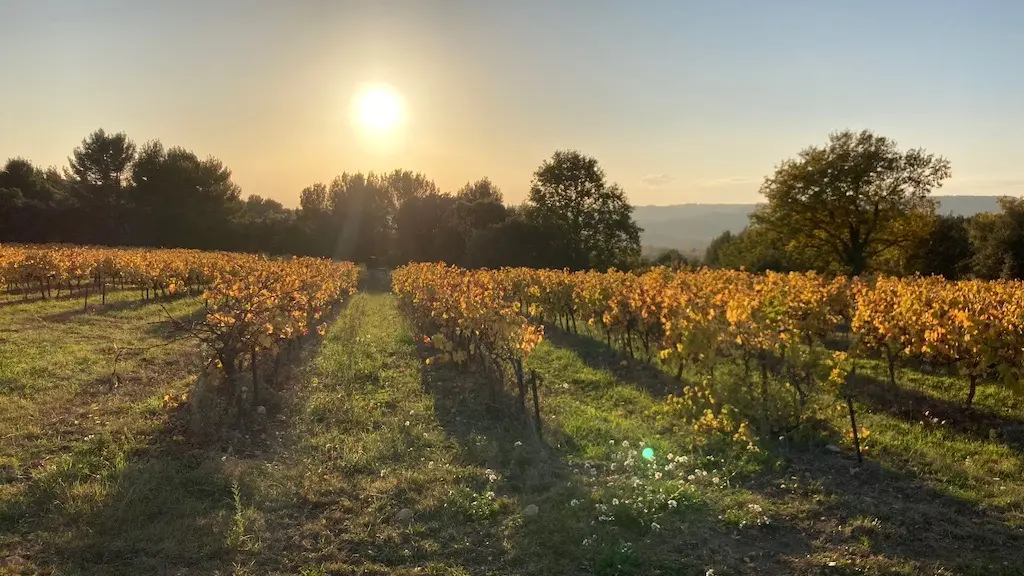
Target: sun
{"type": "Point", "coordinates": [377, 109]}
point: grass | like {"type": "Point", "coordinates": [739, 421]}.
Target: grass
{"type": "Point", "coordinates": [377, 463]}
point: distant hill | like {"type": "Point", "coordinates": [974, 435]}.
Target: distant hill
{"type": "Point", "coordinates": [689, 228]}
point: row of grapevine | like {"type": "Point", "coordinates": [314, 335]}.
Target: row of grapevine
{"type": "Point", "coordinates": [468, 315]}
{"type": "Point", "coordinates": [255, 306]}
{"type": "Point", "coordinates": [251, 306]}
{"type": "Point", "coordinates": [47, 270]}
{"type": "Point", "coordinates": [698, 318]}
{"type": "Point", "coordinates": [776, 324]}
{"type": "Point", "coordinates": [974, 326]}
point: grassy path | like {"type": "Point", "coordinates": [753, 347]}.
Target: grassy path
{"type": "Point", "coordinates": [394, 471]}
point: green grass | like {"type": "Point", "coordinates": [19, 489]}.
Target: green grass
{"type": "Point", "coordinates": [376, 463]}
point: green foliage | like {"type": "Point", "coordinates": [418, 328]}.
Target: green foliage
{"type": "Point", "coordinates": [844, 205]}
{"type": "Point", "coordinates": [945, 251]}
{"type": "Point", "coordinates": [475, 506]}
{"type": "Point", "coordinates": [117, 193]}
{"type": "Point", "coordinates": [520, 240]}
{"type": "Point", "coordinates": [181, 200]}
{"type": "Point", "coordinates": [102, 161]}
{"type": "Point", "coordinates": [483, 190]}
{"type": "Point", "coordinates": [98, 173]}
{"type": "Point", "coordinates": [670, 258]}
{"type": "Point", "coordinates": [754, 249]}
{"type": "Point", "coordinates": [570, 194]}
{"type": "Point", "coordinates": [33, 202]}
{"type": "Point", "coordinates": [997, 241]}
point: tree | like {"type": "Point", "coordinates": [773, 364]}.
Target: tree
{"type": "Point", "coordinates": [672, 258]}
{"type": "Point", "coordinates": [103, 160]}
{"type": "Point", "coordinates": [944, 251]}
{"type": "Point", "coordinates": [313, 222]}
{"type": "Point", "coordinates": [478, 205]}
{"type": "Point", "coordinates": [756, 250]}
{"type": "Point", "coordinates": [265, 225]}
{"type": "Point", "coordinates": [997, 241]}
{"type": "Point", "coordinates": [425, 230]}
{"type": "Point", "coordinates": [517, 241]}
{"type": "Point", "coordinates": [32, 203]}
{"type": "Point", "coordinates": [483, 190]}
{"type": "Point", "coordinates": [713, 253]}
{"type": "Point", "coordinates": [361, 208]}
{"type": "Point", "coordinates": [405, 185]}
{"type": "Point", "coordinates": [99, 169]}
{"type": "Point", "coordinates": [569, 193]}
{"type": "Point", "coordinates": [182, 201]}
{"type": "Point", "coordinates": [855, 199]}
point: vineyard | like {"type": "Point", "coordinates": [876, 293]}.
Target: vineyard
{"type": "Point", "coordinates": [682, 422]}
{"type": "Point", "coordinates": [801, 333]}
{"type": "Point", "coordinates": [251, 306]}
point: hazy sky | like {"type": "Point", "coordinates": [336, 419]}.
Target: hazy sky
{"type": "Point", "coordinates": [681, 101]}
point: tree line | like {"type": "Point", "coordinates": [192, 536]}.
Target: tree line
{"type": "Point", "coordinates": [860, 205]}
{"type": "Point", "coordinates": [114, 192]}
{"type": "Point", "coordinates": [856, 205]}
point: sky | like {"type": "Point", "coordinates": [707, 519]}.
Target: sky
{"type": "Point", "coordinates": [680, 101]}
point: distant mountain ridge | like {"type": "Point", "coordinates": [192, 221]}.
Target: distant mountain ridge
{"type": "Point", "coordinates": [689, 228]}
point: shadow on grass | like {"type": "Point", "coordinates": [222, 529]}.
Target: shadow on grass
{"type": "Point", "coordinates": [912, 405]}
{"type": "Point", "coordinates": [547, 474]}
{"type": "Point", "coordinates": [891, 518]}
{"type": "Point", "coordinates": [96, 308]}
{"type": "Point", "coordinates": [600, 356]}
{"type": "Point", "coordinates": [155, 508]}
{"type": "Point", "coordinates": [486, 429]}
{"type": "Point", "coordinates": [156, 500]}
{"type": "Point", "coordinates": [882, 517]}
{"type": "Point", "coordinates": [163, 328]}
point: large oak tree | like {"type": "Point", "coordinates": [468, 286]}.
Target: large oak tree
{"type": "Point", "coordinates": [851, 201]}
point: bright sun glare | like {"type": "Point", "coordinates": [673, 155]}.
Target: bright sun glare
{"type": "Point", "coordinates": [378, 109]}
